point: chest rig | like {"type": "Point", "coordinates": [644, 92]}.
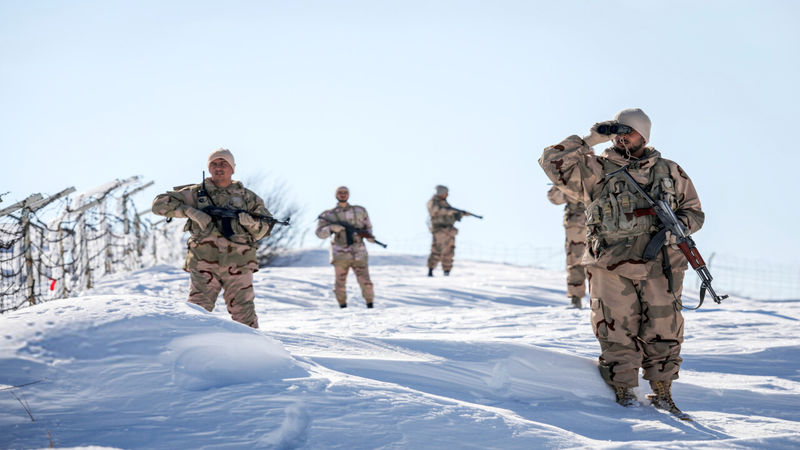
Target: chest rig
{"type": "Point", "coordinates": [227, 226]}
{"type": "Point", "coordinates": [446, 220]}
{"type": "Point", "coordinates": [620, 214]}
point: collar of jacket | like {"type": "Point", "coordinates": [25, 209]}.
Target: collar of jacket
{"type": "Point", "coordinates": [647, 160]}
{"type": "Point", "coordinates": [211, 187]}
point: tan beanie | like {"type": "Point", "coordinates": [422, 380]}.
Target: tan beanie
{"type": "Point", "coordinates": [441, 190]}
{"type": "Point", "coordinates": [636, 119]}
{"type": "Point", "coordinates": [222, 153]}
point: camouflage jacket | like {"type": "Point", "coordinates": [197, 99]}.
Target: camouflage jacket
{"type": "Point", "coordinates": [618, 226]}
{"type": "Point", "coordinates": [211, 245]}
{"type": "Point", "coordinates": [441, 214]}
{"type": "Point", "coordinates": [574, 212]}
{"type": "Point", "coordinates": [353, 215]}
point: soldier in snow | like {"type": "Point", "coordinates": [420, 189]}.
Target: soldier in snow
{"type": "Point", "coordinates": [221, 251]}
{"type": "Point", "coordinates": [575, 245]}
{"type": "Point", "coordinates": [636, 308]}
{"type": "Point", "coordinates": [442, 225]}
{"type": "Point", "coordinates": [348, 225]}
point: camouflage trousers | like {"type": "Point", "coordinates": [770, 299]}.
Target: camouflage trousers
{"type": "Point", "coordinates": [443, 248]}
{"type": "Point", "coordinates": [361, 269]}
{"type": "Point", "coordinates": [638, 324]}
{"type": "Point", "coordinates": [576, 273]}
{"type": "Point", "coordinates": [206, 280]}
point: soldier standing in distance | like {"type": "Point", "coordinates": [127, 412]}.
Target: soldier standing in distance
{"type": "Point", "coordinates": [636, 308]}
{"type": "Point", "coordinates": [214, 261]}
{"type": "Point", "coordinates": [347, 248]}
{"type": "Point", "coordinates": [575, 245]}
{"type": "Point", "coordinates": [443, 219]}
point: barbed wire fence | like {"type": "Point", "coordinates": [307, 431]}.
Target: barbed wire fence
{"type": "Point", "coordinates": [59, 246]}
{"type": "Point", "coordinates": [52, 246]}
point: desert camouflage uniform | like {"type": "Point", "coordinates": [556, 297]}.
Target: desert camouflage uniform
{"type": "Point", "coordinates": [575, 241]}
{"type": "Point", "coordinates": [214, 261]}
{"type": "Point", "coordinates": [444, 232]}
{"type": "Point", "coordinates": [635, 318]}
{"type": "Point", "coordinates": [343, 256]}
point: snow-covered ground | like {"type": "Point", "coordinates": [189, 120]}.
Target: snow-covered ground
{"type": "Point", "coordinates": [489, 357]}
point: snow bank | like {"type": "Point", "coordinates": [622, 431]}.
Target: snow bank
{"type": "Point", "coordinates": [489, 357]}
{"type": "Point", "coordinates": [213, 360]}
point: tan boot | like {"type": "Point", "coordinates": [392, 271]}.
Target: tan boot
{"type": "Point", "coordinates": [625, 396]}
{"type": "Point", "coordinates": [661, 398]}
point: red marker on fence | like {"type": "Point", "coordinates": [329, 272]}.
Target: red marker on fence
{"type": "Point", "coordinates": [52, 284]}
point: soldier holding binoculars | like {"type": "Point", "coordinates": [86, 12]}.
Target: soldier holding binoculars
{"type": "Point", "coordinates": [636, 307]}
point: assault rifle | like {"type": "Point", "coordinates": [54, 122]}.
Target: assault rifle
{"type": "Point", "coordinates": [225, 213]}
{"type": "Point", "coordinates": [225, 216]}
{"type": "Point", "coordinates": [670, 222]}
{"type": "Point", "coordinates": [351, 230]}
{"type": "Point", "coordinates": [465, 213]}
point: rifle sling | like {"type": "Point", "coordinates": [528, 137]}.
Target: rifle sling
{"type": "Point", "coordinates": [644, 212]}
{"type": "Point", "coordinates": [666, 267]}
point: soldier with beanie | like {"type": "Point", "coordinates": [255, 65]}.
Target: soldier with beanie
{"type": "Point", "coordinates": [636, 307]}
{"type": "Point", "coordinates": [221, 252]}
{"type": "Point", "coordinates": [347, 247]}
{"type": "Point", "coordinates": [442, 226]}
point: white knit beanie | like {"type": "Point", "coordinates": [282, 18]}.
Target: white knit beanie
{"type": "Point", "coordinates": [636, 119]}
{"type": "Point", "coordinates": [223, 153]}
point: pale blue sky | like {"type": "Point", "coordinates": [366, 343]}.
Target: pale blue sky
{"type": "Point", "coordinates": [394, 97]}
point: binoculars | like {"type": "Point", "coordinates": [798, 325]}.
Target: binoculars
{"type": "Point", "coordinates": [613, 128]}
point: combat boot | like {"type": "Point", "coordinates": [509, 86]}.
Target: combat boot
{"type": "Point", "coordinates": [661, 397]}
{"type": "Point", "coordinates": [430, 271]}
{"type": "Point", "coordinates": [576, 302]}
{"type": "Point", "coordinates": [447, 273]}
{"type": "Point", "coordinates": [625, 396]}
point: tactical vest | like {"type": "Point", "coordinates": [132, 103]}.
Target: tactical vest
{"type": "Point", "coordinates": [353, 215]}
{"type": "Point", "coordinates": [232, 230]}
{"type": "Point", "coordinates": [620, 213]}
{"type": "Point", "coordinates": [447, 219]}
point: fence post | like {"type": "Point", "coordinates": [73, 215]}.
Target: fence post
{"type": "Point", "coordinates": [125, 204]}
{"type": "Point", "coordinates": [28, 255]}
{"type": "Point", "coordinates": [63, 284]}
{"type": "Point", "coordinates": [109, 247]}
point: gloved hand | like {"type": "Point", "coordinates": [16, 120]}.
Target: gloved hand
{"type": "Point", "coordinates": [371, 239]}
{"type": "Point", "coordinates": [336, 228]}
{"type": "Point", "coordinates": [247, 221]}
{"type": "Point", "coordinates": [199, 217]}
{"type": "Point", "coordinates": [594, 138]}
{"type": "Point", "coordinates": [671, 238]}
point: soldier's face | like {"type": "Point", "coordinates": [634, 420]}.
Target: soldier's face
{"type": "Point", "coordinates": [342, 195]}
{"type": "Point", "coordinates": [632, 143]}
{"type": "Point", "coordinates": [221, 172]}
